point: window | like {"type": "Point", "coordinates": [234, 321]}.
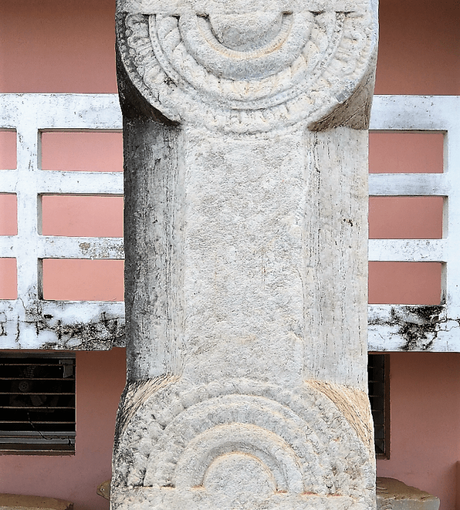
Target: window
{"type": "Point", "coordinates": [379, 396]}
{"type": "Point", "coordinates": [37, 402]}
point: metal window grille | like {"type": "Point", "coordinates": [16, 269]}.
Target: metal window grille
{"type": "Point", "coordinates": [379, 396]}
{"type": "Point", "coordinates": [37, 403]}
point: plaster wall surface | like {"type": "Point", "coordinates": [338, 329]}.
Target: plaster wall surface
{"type": "Point", "coordinates": [100, 380]}
{"type": "Point", "coordinates": [425, 420]}
{"type": "Point", "coordinates": [54, 46]}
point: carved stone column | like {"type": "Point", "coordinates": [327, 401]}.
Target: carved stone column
{"type": "Point", "coordinates": [245, 146]}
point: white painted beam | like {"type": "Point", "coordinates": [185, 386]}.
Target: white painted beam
{"type": "Point", "coordinates": [413, 328]}
{"type": "Point", "coordinates": [61, 111]}
{"type": "Point", "coordinates": [407, 250]}
{"type": "Point", "coordinates": [80, 183]}
{"type": "Point", "coordinates": [57, 247]}
{"type": "Point", "coordinates": [8, 181]}
{"type": "Point", "coordinates": [408, 185]}
{"type": "Point", "coordinates": [70, 325]}
{"type": "Point", "coordinates": [414, 113]}
{"type": "Point", "coordinates": [54, 247]}
{"type": "Point", "coordinates": [8, 246]}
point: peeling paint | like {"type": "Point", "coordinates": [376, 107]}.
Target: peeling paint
{"type": "Point", "coordinates": [40, 324]}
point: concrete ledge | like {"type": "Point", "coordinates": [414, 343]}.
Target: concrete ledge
{"type": "Point", "coordinates": [395, 495]}
{"type": "Point", "coordinates": [19, 502]}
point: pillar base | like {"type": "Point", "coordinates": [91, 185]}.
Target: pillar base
{"type": "Point", "coordinates": [243, 444]}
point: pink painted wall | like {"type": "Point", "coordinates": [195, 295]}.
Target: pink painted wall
{"type": "Point", "coordinates": [56, 46]}
{"type": "Point", "coordinates": [100, 381]}
{"type": "Point", "coordinates": [419, 48]}
{"type": "Point", "coordinates": [425, 423]}
{"type": "Point", "coordinates": [68, 46]}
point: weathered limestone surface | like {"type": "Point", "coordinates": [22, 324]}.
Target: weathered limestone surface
{"type": "Point", "coordinates": [393, 494]}
{"type": "Point", "coordinates": [245, 144]}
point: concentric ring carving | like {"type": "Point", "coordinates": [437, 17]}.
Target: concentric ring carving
{"type": "Point", "coordinates": [278, 429]}
{"type": "Point", "coordinates": [271, 450]}
{"type": "Point", "coordinates": [223, 62]}
{"type": "Point", "coordinates": [305, 64]}
{"type": "Point", "coordinates": [301, 438]}
{"type": "Point", "coordinates": [279, 77]}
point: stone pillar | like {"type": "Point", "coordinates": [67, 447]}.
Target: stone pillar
{"type": "Point", "coordinates": [245, 146]}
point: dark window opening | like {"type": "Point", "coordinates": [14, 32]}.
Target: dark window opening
{"type": "Point", "coordinates": [37, 403]}
{"type": "Point", "coordinates": [379, 396]}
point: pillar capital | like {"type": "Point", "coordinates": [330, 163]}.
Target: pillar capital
{"type": "Point", "coordinates": [251, 66]}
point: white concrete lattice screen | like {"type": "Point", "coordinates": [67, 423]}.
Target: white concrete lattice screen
{"type": "Point", "coordinates": [32, 323]}
{"type": "Point", "coordinates": [420, 328]}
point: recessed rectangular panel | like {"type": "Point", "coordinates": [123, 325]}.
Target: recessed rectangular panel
{"type": "Point", "coordinates": [7, 150]}
{"type": "Point", "coordinates": [89, 151]}
{"type": "Point", "coordinates": [8, 278]}
{"type": "Point", "coordinates": [405, 217]}
{"type": "Point", "coordinates": [8, 214]}
{"type": "Point", "coordinates": [82, 216]}
{"type": "Point", "coordinates": [83, 280]}
{"type": "Point", "coordinates": [398, 152]}
{"type": "Point", "coordinates": [405, 283]}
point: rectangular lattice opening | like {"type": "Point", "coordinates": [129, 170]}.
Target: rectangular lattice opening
{"type": "Point", "coordinates": [8, 149]}
{"type": "Point", "coordinates": [8, 278]}
{"type": "Point", "coordinates": [8, 214]}
{"type": "Point", "coordinates": [406, 152]}
{"type": "Point", "coordinates": [405, 217]}
{"type": "Point", "coordinates": [89, 151]}
{"type": "Point", "coordinates": [37, 402]}
{"type": "Point", "coordinates": [379, 396]}
{"type": "Point", "coordinates": [405, 283]}
{"type": "Point", "coordinates": [82, 216]}
{"type": "Point", "coordinates": [83, 280]}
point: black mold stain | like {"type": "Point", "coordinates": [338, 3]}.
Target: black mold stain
{"type": "Point", "coordinates": [418, 325]}
{"type": "Point", "coordinates": [421, 335]}
{"type": "Point", "coordinates": [101, 334]}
